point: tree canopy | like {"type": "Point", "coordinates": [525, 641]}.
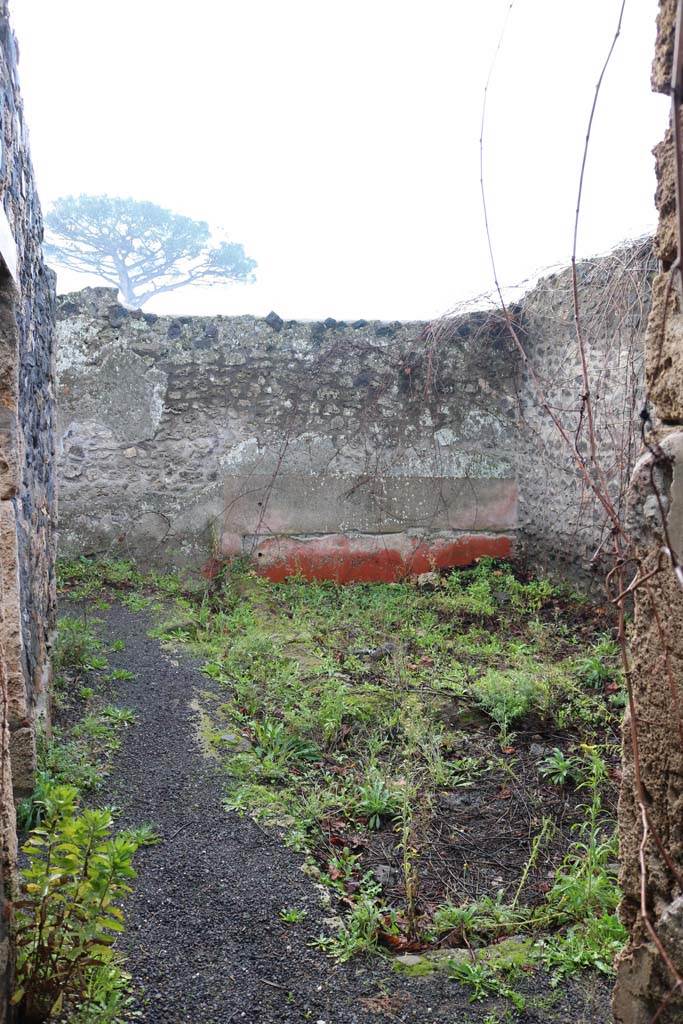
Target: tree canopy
{"type": "Point", "coordinates": [140, 247]}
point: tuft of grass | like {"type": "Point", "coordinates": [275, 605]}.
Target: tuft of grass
{"type": "Point", "coordinates": [121, 675]}
{"type": "Point", "coordinates": [292, 915]}
{"type": "Point", "coordinates": [378, 799]}
{"type": "Point", "coordinates": [359, 933]}
{"type": "Point", "coordinates": [77, 646]}
{"type": "Point", "coordinates": [509, 696]}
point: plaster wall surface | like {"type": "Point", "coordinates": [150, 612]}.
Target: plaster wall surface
{"type": "Point", "coordinates": [380, 448]}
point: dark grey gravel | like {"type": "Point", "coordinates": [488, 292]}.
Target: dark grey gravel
{"type": "Point", "coordinates": [203, 940]}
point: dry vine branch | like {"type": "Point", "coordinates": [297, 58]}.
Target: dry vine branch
{"type": "Point", "coordinates": [594, 475]}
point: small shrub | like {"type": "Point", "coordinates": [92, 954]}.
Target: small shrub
{"type": "Point", "coordinates": [76, 646]}
{"type": "Point", "coordinates": [77, 873]}
{"type": "Point", "coordinates": [508, 696]}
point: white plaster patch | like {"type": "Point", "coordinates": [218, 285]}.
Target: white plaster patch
{"type": "Point", "coordinates": [71, 347]}
{"type": "Point", "coordinates": [240, 453]}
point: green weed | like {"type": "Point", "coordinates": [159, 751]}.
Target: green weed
{"type": "Point", "coordinates": [359, 933]}
{"type": "Point", "coordinates": [483, 981]}
{"type": "Point", "coordinates": [362, 710]}
{"type": "Point", "coordinates": [558, 768]}
{"type": "Point", "coordinates": [76, 876]}
{"type": "Point", "coordinates": [121, 675]}
{"type": "Point", "coordinates": [136, 602]}
{"type": "Point", "coordinates": [593, 943]}
{"type": "Point", "coordinates": [378, 798]}
{"type": "Point", "coordinates": [292, 915]}
{"type": "Point", "coordinates": [508, 696]}
{"type": "Point", "coordinates": [76, 646]}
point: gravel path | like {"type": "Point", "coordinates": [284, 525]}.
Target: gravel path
{"type": "Point", "coordinates": [204, 940]}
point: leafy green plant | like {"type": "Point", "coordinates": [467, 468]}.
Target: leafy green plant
{"type": "Point", "coordinates": [79, 761]}
{"type": "Point", "coordinates": [377, 799]}
{"type": "Point", "coordinates": [107, 997]}
{"type": "Point", "coordinates": [341, 868]}
{"type": "Point", "coordinates": [585, 885]}
{"type": "Point", "coordinates": [448, 918]}
{"type": "Point", "coordinates": [359, 933]}
{"type": "Point", "coordinates": [76, 876]}
{"type": "Point", "coordinates": [483, 981]}
{"type": "Point", "coordinates": [474, 598]}
{"type": "Point", "coordinates": [292, 915]}
{"type": "Point", "coordinates": [121, 675]}
{"type": "Point", "coordinates": [70, 762]}
{"type": "Point", "coordinates": [464, 771]}
{"type": "Point", "coordinates": [485, 918]}
{"type": "Point", "coordinates": [600, 666]}
{"type": "Point", "coordinates": [558, 768]}
{"type": "Point", "coordinates": [30, 810]}
{"type": "Point", "coordinates": [136, 602]}
{"type": "Point", "coordinates": [143, 835]}
{"type": "Point", "coordinates": [277, 748]}
{"type": "Point", "coordinates": [593, 943]}
{"type": "Point", "coordinates": [119, 716]}
{"type": "Point", "coordinates": [83, 577]}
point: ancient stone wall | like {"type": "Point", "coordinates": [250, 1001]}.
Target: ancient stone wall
{"type": "Point", "coordinates": [27, 483]}
{"type": "Point", "coordinates": [651, 804]}
{"type": "Point", "coordinates": [357, 451]}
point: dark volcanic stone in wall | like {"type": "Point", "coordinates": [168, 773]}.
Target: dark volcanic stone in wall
{"type": "Point", "coordinates": [156, 423]}
{"type": "Point", "coordinates": [167, 424]}
{"type": "Point", "coordinates": [27, 478]}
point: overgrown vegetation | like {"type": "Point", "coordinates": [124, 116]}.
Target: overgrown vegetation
{"type": "Point", "coordinates": [441, 755]}
{"type": "Point", "coordinates": [76, 876]}
{"type": "Point", "coordinates": [75, 869]}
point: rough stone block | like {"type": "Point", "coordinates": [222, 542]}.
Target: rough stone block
{"type": "Point", "coordinates": [23, 755]}
{"type": "Point", "coordinates": [664, 352]}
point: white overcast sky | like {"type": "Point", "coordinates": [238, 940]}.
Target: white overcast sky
{"type": "Point", "coordinates": [338, 140]}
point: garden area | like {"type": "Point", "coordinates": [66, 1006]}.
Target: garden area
{"type": "Point", "coordinates": [439, 756]}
